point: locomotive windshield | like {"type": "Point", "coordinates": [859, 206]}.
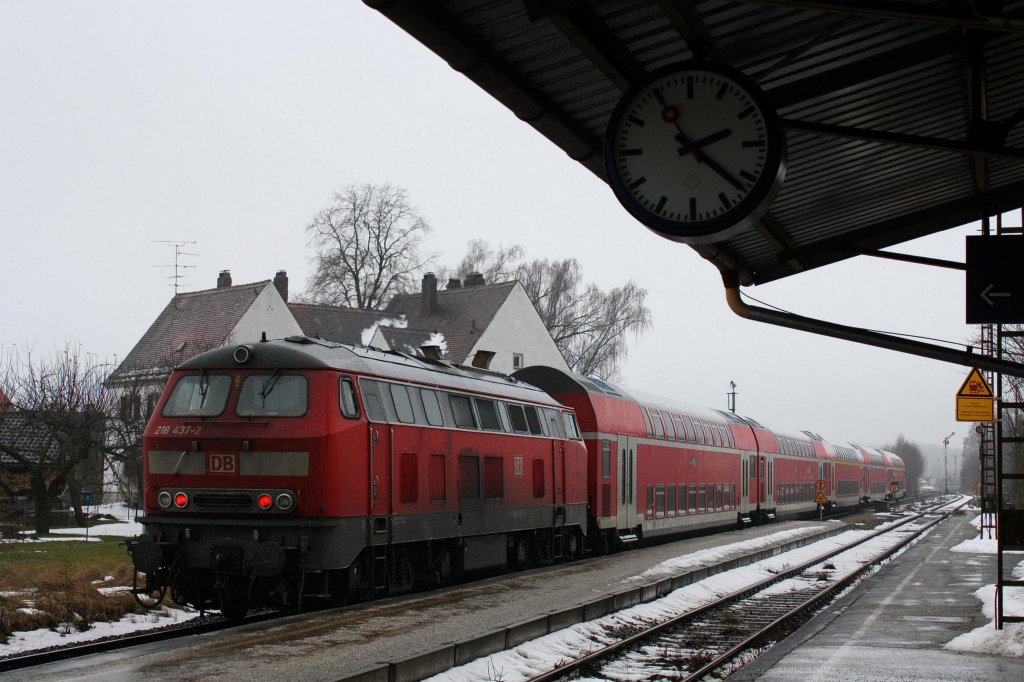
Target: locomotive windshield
{"type": "Point", "coordinates": [272, 395]}
{"type": "Point", "coordinates": [198, 395]}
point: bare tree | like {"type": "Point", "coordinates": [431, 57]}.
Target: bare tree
{"type": "Point", "coordinates": [913, 461]}
{"type": "Point", "coordinates": [367, 247]}
{"type": "Point", "coordinates": [55, 433]}
{"type": "Point", "coordinates": [589, 326]}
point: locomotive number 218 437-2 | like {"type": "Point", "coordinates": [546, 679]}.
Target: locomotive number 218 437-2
{"type": "Point", "coordinates": [179, 430]}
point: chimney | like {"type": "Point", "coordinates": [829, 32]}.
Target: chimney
{"type": "Point", "coordinates": [224, 279]}
{"type": "Point", "coordinates": [428, 303]}
{"type": "Point", "coordinates": [454, 283]}
{"type": "Point", "coordinates": [281, 282]}
{"type": "Point", "coordinates": [482, 359]}
{"type": "Point", "coordinates": [474, 279]}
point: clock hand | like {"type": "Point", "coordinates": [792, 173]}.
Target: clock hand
{"type": "Point", "coordinates": [726, 175]}
{"type": "Point", "coordinates": [704, 141]}
{"type": "Point", "coordinates": [670, 114]}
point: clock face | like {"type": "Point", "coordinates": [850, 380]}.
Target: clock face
{"type": "Point", "coordinates": [696, 153]}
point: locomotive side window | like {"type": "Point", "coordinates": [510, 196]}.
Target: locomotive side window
{"type": "Point", "coordinates": [198, 395]}
{"type": "Point", "coordinates": [488, 415]}
{"type": "Point", "coordinates": [463, 412]}
{"type": "Point", "coordinates": [572, 428]}
{"type": "Point", "coordinates": [432, 407]}
{"type": "Point", "coordinates": [347, 398]}
{"type": "Point", "coordinates": [371, 399]}
{"type": "Point", "coordinates": [518, 418]}
{"type": "Point", "coordinates": [555, 428]}
{"type": "Point", "coordinates": [403, 405]}
{"type": "Point", "coordinates": [533, 420]}
{"type": "Point", "coordinates": [272, 395]}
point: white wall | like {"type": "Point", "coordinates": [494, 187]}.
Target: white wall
{"type": "Point", "coordinates": [268, 313]}
{"type": "Point", "coordinates": [517, 328]}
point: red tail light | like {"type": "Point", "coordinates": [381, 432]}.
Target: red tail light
{"type": "Point", "coordinates": [264, 501]}
{"type": "Point", "coordinates": [181, 500]}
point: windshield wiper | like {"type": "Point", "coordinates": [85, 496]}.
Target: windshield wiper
{"type": "Point", "coordinates": [204, 387]}
{"type": "Point", "coordinates": [268, 385]}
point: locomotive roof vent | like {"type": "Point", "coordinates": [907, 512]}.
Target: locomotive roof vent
{"type": "Point", "coordinates": [242, 354]}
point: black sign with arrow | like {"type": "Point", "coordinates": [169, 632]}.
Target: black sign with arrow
{"type": "Point", "coordinates": [995, 279]}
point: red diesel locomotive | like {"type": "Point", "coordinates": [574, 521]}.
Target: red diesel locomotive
{"type": "Point", "coordinates": [292, 470]}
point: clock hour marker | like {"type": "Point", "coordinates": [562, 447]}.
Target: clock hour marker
{"type": "Point", "coordinates": [632, 151]}
{"type": "Point", "coordinates": [748, 175]}
{"type": "Point", "coordinates": [746, 112]}
{"type": "Point", "coordinates": [753, 143]}
{"type": "Point", "coordinates": [636, 183]}
{"type": "Point", "coordinates": [693, 208]}
{"type": "Point", "coordinates": [661, 204]}
{"type": "Point", "coordinates": [724, 199]}
{"type": "Point", "coordinates": [635, 121]}
{"type": "Point", "coordinates": [721, 91]}
{"type": "Point", "coordinates": [689, 87]}
{"type": "Point", "coordinates": [658, 96]}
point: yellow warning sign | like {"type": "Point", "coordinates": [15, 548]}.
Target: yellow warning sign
{"type": "Point", "coordinates": [974, 400]}
{"type": "Point", "coordinates": [821, 499]}
{"type": "Point", "coordinates": [975, 386]}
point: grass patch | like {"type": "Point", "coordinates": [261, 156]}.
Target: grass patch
{"type": "Point", "coordinates": [55, 585]}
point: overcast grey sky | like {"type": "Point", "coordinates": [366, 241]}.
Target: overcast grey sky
{"type": "Point", "coordinates": [231, 123]}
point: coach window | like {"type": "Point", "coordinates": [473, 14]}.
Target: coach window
{"type": "Point", "coordinates": [659, 501]}
{"type": "Point", "coordinates": [647, 421]}
{"type": "Point", "coordinates": [533, 420]}
{"type": "Point", "coordinates": [518, 418]}
{"type": "Point", "coordinates": [606, 459]}
{"type": "Point", "coordinates": [431, 407]}
{"type": "Point", "coordinates": [659, 430]}
{"type": "Point", "coordinates": [463, 411]}
{"type": "Point", "coordinates": [198, 395]}
{"type": "Point", "coordinates": [272, 395]}
{"type": "Point", "coordinates": [691, 504]}
{"type": "Point", "coordinates": [670, 501]}
{"type": "Point", "coordinates": [488, 415]}
{"type": "Point", "coordinates": [691, 431]}
{"type": "Point", "coordinates": [403, 406]}
{"type": "Point", "coordinates": [702, 499]}
{"type": "Point", "coordinates": [347, 398]}
{"type": "Point", "coordinates": [670, 428]}
{"type": "Point", "coordinates": [650, 500]}
{"type": "Point", "coordinates": [718, 497]}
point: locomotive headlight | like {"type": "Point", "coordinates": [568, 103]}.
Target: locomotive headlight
{"type": "Point", "coordinates": [285, 501]}
{"type": "Point", "coordinates": [264, 501]}
{"type": "Point", "coordinates": [164, 499]}
{"type": "Point", "coordinates": [181, 500]}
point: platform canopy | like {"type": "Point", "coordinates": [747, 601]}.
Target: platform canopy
{"type": "Point", "coordinates": [901, 117]}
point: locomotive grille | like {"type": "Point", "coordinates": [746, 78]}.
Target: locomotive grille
{"type": "Point", "coordinates": [210, 500]}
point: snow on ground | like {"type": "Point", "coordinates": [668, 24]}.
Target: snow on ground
{"type": "Point", "coordinates": [987, 640]}
{"type": "Point", "coordinates": [548, 652]}
{"type": "Point", "coordinates": [22, 642]}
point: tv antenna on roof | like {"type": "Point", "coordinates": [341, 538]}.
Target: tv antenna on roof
{"type": "Point", "coordinates": [178, 253]}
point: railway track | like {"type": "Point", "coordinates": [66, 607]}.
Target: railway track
{"type": "Point", "coordinates": [209, 623]}
{"type": "Point", "coordinates": [727, 632]}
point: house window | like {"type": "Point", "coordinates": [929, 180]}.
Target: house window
{"type": "Point", "coordinates": [517, 361]}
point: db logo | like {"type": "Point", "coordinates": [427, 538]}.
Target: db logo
{"type": "Point", "coordinates": [223, 463]}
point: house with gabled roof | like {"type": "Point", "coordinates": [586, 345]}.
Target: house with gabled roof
{"type": "Point", "coordinates": [342, 325]}
{"type": "Point", "coordinates": [489, 325]}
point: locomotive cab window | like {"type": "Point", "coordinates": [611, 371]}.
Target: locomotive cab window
{"type": "Point", "coordinates": [272, 395]}
{"type": "Point", "coordinates": [572, 428]}
{"type": "Point", "coordinates": [198, 395]}
{"type": "Point", "coordinates": [517, 416]}
{"type": "Point", "coordinates": [347, 398]}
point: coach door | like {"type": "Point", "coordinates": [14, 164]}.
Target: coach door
{"type": "Point", "coordinates": [627, 482]}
